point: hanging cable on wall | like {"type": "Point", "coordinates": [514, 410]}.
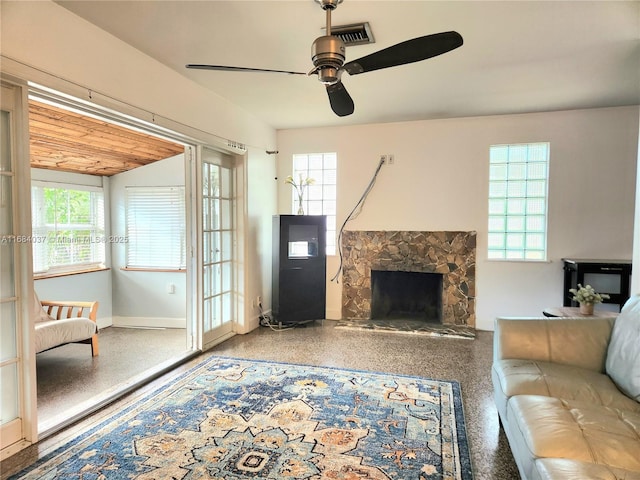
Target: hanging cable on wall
{"type": "Point", "coordinates": [354, 214]}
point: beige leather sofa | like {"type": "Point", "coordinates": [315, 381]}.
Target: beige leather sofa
{"type": "Point", "coordinates": [568, 394]}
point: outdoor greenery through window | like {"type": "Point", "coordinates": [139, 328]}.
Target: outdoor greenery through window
{"type": "Point", "coordinates": [67, 228]}
{"type": "Point", "coordinates": [518, 178]}
{"type": "Point", "coordinates": [156, 232]}
{"type": "Point", "coordinates": [320, 197]}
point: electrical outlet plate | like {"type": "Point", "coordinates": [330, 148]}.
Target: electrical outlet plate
{"type": "Point", "coordinates": [256, 302]}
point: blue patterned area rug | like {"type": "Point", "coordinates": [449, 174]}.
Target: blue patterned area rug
{"type": "Point", "coordinates": [232, 419]}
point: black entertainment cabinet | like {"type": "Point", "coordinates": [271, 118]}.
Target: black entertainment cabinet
{"type": "Point", "coordinates": [299, 268]}
{"type": "Point", "coordinates": [615, 273]}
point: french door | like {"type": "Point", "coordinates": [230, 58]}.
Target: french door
{"type": "Point", "coordinates": [218, 246]}
{"type": "Point", "coordinates": [15, 407]}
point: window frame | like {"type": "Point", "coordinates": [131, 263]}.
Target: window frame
{"type": "Point", "coordinates": [319, 193]}
{"type": "Point", "coordinates": [41, 230]}
{"type": "Point", "coordinates": [131, 237]}
{"type": "Point", "coordinates": [517, 222]}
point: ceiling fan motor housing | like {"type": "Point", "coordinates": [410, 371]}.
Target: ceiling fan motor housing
{"type": "Point", "coordinates": [329, 4]}
{"type": "Point", "coordinates": [327, 54]}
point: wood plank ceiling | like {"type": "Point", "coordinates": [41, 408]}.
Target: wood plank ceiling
{"type": "Point", "coordinates": [68, 141]}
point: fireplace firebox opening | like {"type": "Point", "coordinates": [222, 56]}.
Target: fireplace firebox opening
{"type": "Point", "coordinates": [399, 295]}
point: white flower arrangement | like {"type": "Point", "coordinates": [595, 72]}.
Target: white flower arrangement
{"type": "Point", "coordinates": [587, 295]}
{"type": "Point", "coordinates": [300, 186]}
{"type": "Point", "coordinates": [303, 182]}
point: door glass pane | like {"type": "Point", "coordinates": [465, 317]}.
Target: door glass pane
{"type": "Point", "coordinates": [225, 206]}
{"type": "Point", "coordinates": [6, 216]}
{"type": "Point", "coordinates": [226, 307]}
{"type": "Point", "coordinates": [206, 216]}
{"type": "Point", "coordinates": [207, 313]}
{"type": "Point", "coordinates": [226, 246]}
{"type": "Point", "coordinates": [226, 277]}
{"type": "Point", "coordinates": [5, 144]}
{"type": "Point", "coordinates": [216, 317]}
{"type": "Point", "coordinates": [205, 180]}
{"type": "Point", "coordinates": [206, 278]}
{"type": "Point", "coordinates": [225, 182]}
{"type": "Point", "coordinates": [8, 393]}
{"type": "Point", "coordinates": [8, 329]}
{"type": "Point", "coordinates": [7, 284]}
{"type": "Point", "coordinates": [215, 213]}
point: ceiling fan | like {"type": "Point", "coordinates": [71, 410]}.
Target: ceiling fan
{"type": "Point", "coordinates": [328, 55]}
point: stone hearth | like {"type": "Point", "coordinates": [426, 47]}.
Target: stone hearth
{"type": "Point", "coordinates": [452, 254]}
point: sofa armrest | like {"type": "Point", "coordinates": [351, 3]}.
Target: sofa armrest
{"type": "Point", "coordinates": [570, 341]}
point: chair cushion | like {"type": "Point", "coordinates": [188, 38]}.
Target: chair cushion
{"type": "Point", "coordinates": [38, 313]}
{"type": "Point", "coordinates": [545, 427]}
{"type": "Point", "coordinates": [565, 469]}
{"type": "Point", "coordinates": [66, 330]}
{"type": "Point", "coordinates": [528, 377]}
{"type": "Point", "coordinates": [623, 354]}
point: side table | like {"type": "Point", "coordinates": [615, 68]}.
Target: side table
{"type": "Point", "coordinates": [575, 312]}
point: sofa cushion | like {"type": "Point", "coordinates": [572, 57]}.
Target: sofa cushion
{"type": "Point", "coordinates": [565, 469]}
{"type": "Point", "coordinates": [546, 427]}
{"type": "Point", "coordinates": [38, 313]}
{"type": "Point", "coordinates": [528, 377]}
{"type": "Point", "coordinates": [66, 330]}
{"type": "Point", "coordinates": [623, 354]}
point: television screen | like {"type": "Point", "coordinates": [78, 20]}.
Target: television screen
{"type": "Point", "coordinates": [303, 241]}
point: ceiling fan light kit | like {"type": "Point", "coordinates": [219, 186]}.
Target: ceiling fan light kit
{"type": "Point", "coordinates": [328, 56]}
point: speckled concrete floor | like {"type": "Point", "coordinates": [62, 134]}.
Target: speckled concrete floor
{"type": "Point", "coordinates": [69, 375]}
{"type": "Point", "coordinates": [466, 360]}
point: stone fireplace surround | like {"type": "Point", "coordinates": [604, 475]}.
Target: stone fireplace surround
{"type": "Point", "coordinates": [450, 253]}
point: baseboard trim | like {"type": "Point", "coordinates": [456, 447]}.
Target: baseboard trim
{"type": "Point", "coordinates": [105, 322]}
{"type": "Point", "coordinates": [149, 322]}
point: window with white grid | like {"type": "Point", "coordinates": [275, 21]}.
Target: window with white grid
{"type": "Point", "coordinates": [518, 179]}
{"type": "Point", "coordinates": [67, 228]}
{"type": "Point", "coordinates": [319, 198]}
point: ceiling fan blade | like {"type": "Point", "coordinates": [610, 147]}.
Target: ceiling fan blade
{"type": "Point", "coordinates": [410, 51]}
{"type": "Point", "coordinates": [340, 100]}
{"type": "Point", "coordinates": [225, 68]}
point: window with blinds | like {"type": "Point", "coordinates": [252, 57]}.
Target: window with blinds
{"type": "Point", "coordinates": [156, 232]}
{"type": "Point", "coordinates": [67, 228]}
{"type": "Point", "coordinates": [518, 178]}
{"type": "Point", "coordinates": [319, 198]}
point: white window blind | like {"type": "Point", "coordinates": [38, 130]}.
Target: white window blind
{"type": "Point", "coordinates": [156, 228]}
{"type": "Point", "coordinates": [518, 178]}
{"type": "Point", "coordinates": [67, 228]}
{"type": "Point", "coordinates": [320, 197]}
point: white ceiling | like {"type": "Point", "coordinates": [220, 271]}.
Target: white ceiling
{"type": "Point", "coordinates": [517, 57]}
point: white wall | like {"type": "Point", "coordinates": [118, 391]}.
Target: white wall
{"type": "Point", "coordinates": [261, 203]}
{"type": "Point", "coordinates": [143, 295]}
{"type": "Point", "coordinates": [440, 182]}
